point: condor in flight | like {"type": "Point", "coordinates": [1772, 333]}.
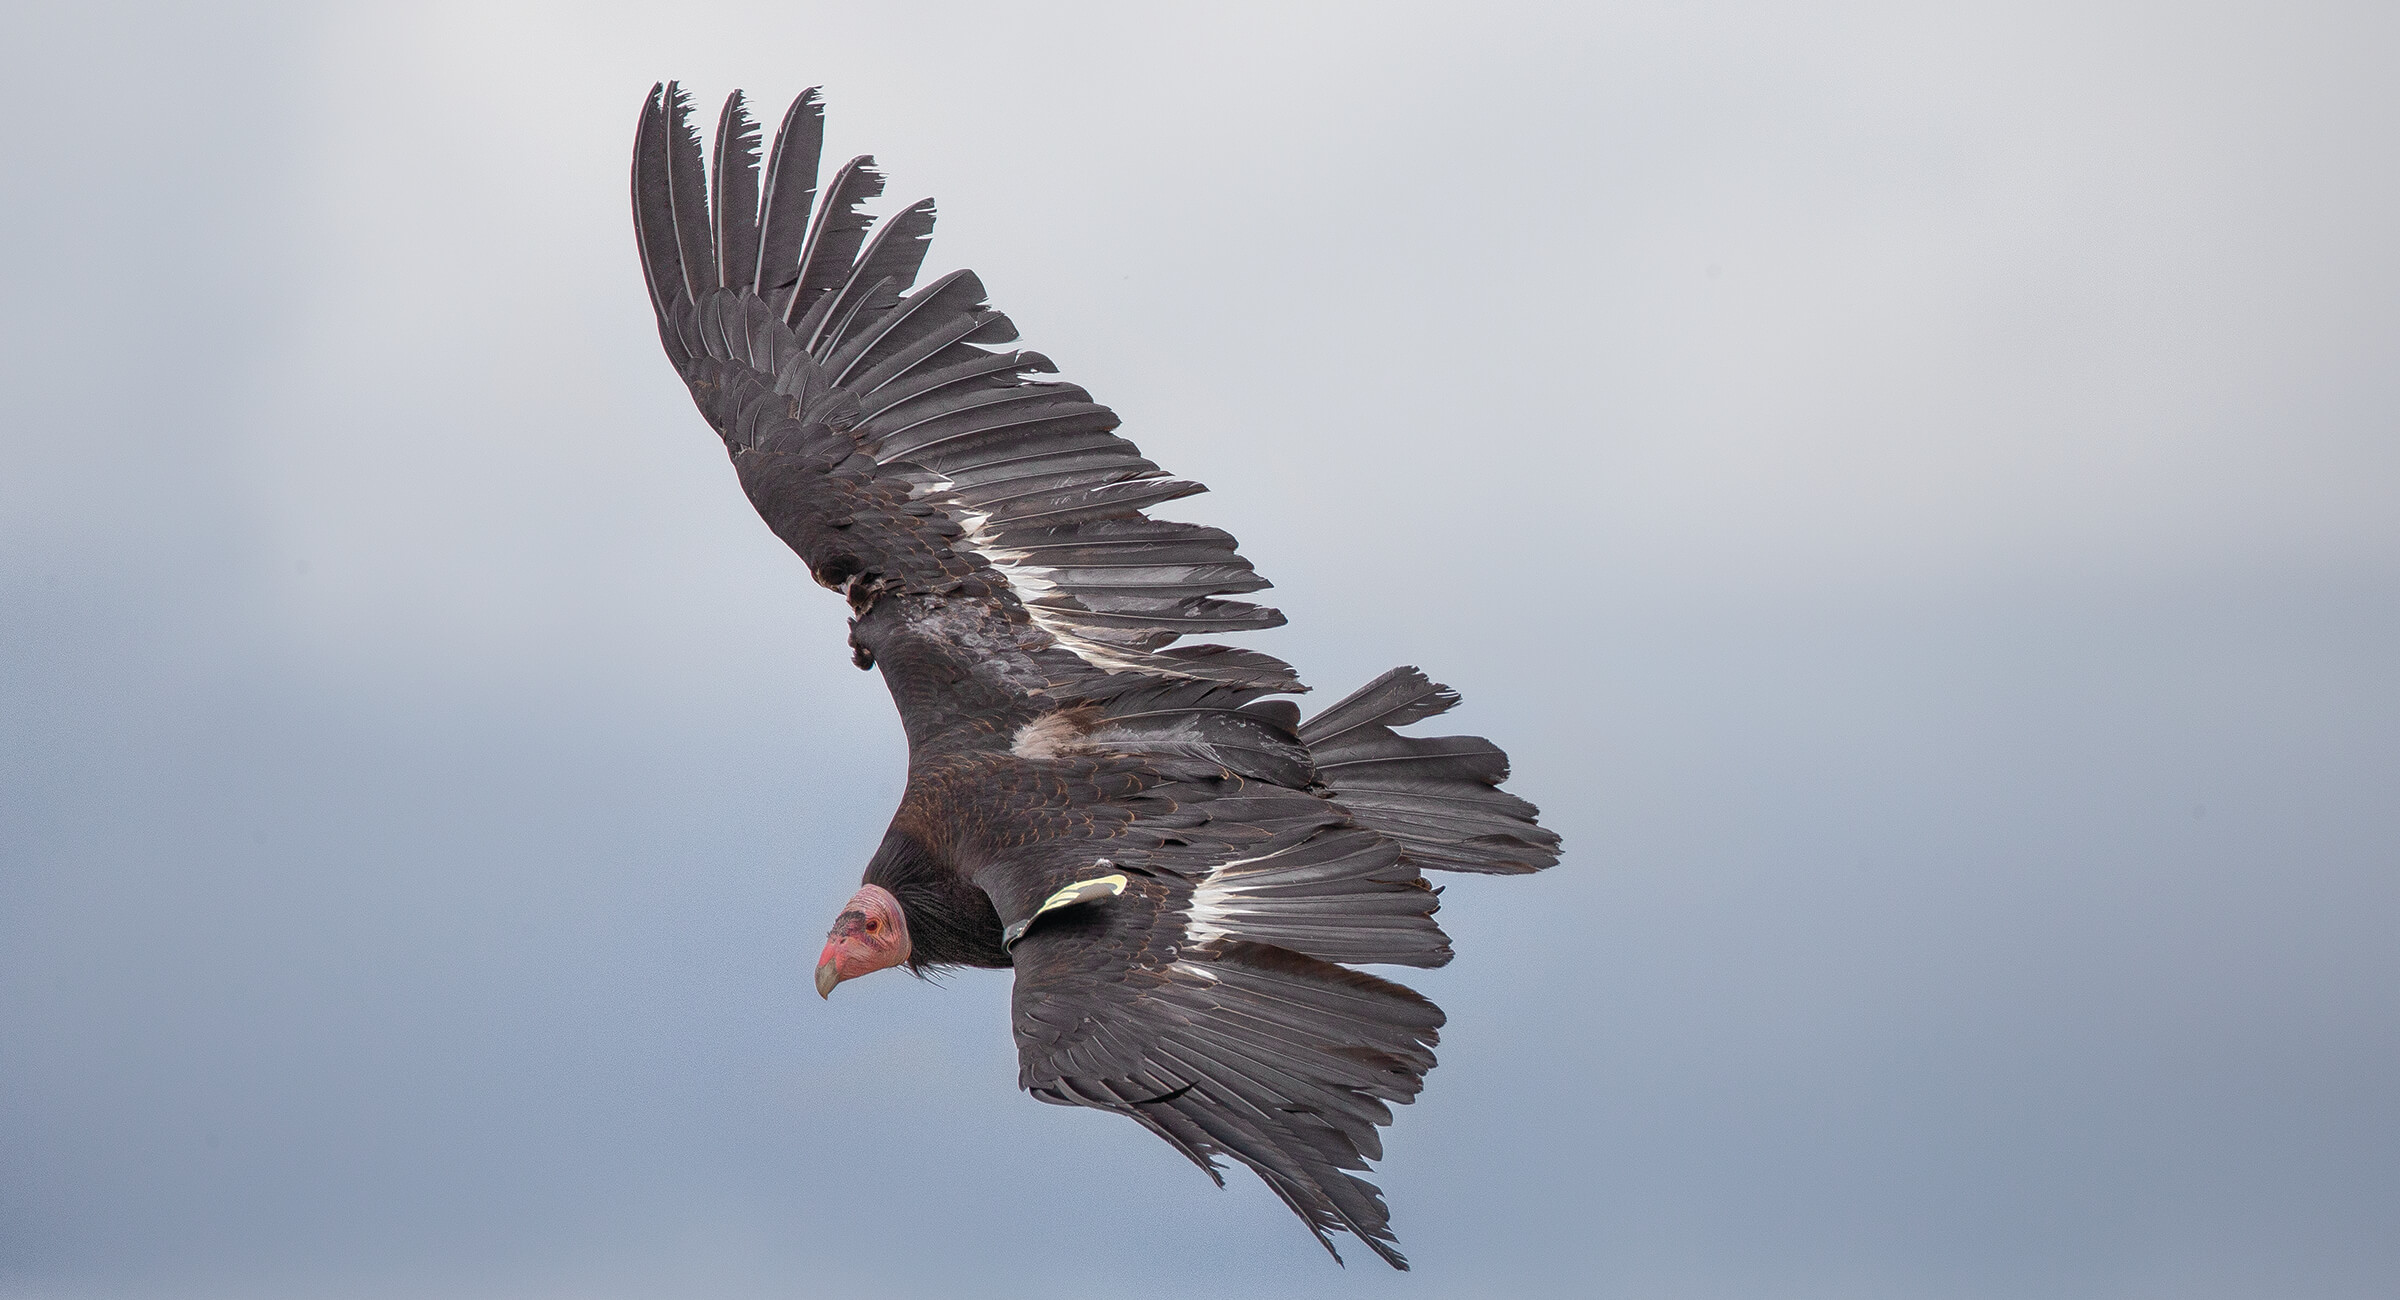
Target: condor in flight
{"type": "Point", "coordinates": [1180, 870]}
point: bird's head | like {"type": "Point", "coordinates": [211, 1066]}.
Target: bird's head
{"type": "Point", "coordinates": [870, 934]}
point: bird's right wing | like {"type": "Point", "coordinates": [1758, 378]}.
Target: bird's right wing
{"type": "Point", "coordinates": [1224, 1047]}
{"type": "Point", "coordinates": [1184, 890]}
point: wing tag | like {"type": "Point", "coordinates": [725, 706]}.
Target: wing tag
{"type": "Point", "coordinates": [1082, 891]}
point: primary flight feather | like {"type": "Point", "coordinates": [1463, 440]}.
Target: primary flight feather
{"type": "Point", "coordinates": [1179, 869]}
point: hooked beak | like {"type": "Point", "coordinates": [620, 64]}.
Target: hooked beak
{"type": "Point", "coordinates": [827, 974]}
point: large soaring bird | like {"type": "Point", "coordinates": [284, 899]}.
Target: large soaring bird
{"type": "Point", "coordinates": [1180, 870]}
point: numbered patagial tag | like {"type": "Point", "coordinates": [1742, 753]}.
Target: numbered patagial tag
{"type": "Point", "coordinates": [1082, 891]}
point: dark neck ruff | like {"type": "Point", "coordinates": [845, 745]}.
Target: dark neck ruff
{"type": "Point", "coordinates": [950, 921]}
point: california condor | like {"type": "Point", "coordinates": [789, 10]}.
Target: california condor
{"type": "Point", "coordinates": [1180, 870]}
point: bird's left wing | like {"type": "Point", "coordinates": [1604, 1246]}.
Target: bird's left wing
{"type": "Point", "coordinates": [884, 434]}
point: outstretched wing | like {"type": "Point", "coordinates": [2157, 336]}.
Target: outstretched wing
{"type": "Point", "coordinates": [1181, 961]}
{"type": "Point", "coordinates": [1231, 1048]}
{"type": "Point", "coordinates": [1179, 967]}
{"type": "Point", "coordinates": [883, 432]}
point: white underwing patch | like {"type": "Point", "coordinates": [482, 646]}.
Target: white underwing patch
{"type": "Point", "coordinates": [1031, 584]}
{"type": "Point", "coordinates": [1210, 914]}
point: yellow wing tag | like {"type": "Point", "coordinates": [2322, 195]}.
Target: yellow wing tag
{"type": "Point", "coordinates": [1082, 891]}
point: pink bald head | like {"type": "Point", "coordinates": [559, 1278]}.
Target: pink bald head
{"type": "Point", "coordinates": [869, 935]}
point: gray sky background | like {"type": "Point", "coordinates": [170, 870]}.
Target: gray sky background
{"type": "Point", "coordinates": [1912, 487]}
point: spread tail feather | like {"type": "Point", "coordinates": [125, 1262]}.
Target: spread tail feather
{"type": "Point", "coordinates": [1438, 796]}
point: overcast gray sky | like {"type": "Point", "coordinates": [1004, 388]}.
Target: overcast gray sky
{"type": "Point", "coordinates": [1912, 487]}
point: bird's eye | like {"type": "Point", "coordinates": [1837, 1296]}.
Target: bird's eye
{"type": "Point", "coordinates": [873, 925]}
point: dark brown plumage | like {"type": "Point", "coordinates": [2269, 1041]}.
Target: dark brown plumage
{"type": "Point", "coordinates": [1179, 870]}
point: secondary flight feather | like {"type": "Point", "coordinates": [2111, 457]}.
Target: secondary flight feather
{"type": "Point", "coordinates": [1179, 869]}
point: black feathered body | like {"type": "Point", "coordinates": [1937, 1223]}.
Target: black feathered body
{"type": "Point", "coordinates": [1180, 871]}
